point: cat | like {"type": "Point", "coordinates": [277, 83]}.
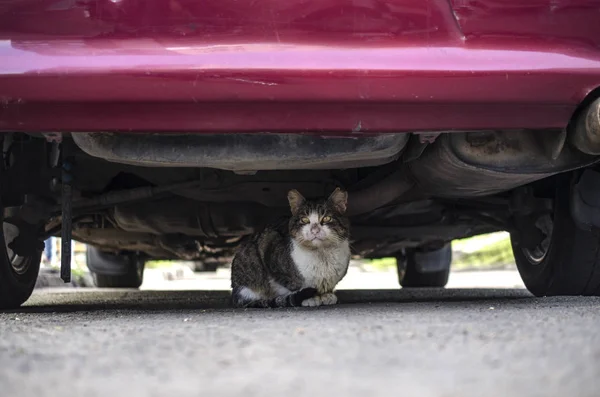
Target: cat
{"type": "Point", "coordinates": [297, 261]}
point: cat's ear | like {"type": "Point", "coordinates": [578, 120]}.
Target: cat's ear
{"type": "Point", "coordinates": [339, 200]}
{"type": "Point", "coordinates": [296, 200]}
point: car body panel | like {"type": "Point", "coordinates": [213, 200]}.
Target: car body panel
{"type": "Point", "coordinates": [328, 66]}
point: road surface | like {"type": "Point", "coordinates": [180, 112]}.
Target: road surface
{"type": "Point", "coordinates": [457, 342]}
{"type": "Point", "coordinates": [182, 278]}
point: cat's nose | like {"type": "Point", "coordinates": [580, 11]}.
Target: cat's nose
{"type": "Point", "coordinates": [315, 229]}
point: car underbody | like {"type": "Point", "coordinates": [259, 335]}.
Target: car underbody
{"type": "Point", "coordinates": [191, 197]}
{"type": "Point", "coordinates": [173, 130]}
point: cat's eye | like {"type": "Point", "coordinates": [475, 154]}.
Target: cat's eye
{"type": "Point", "coordinates": [304, 220]}
{"type": "Point", "coordinates": [326, 219]}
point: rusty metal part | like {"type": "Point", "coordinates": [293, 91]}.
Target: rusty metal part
{"type": "Point", "coordinates": [244, 152]}
{"type": "Point", "coordinates": [456, 167]}
{"type": "Point", "coordinates": [55, 137]}
{"type": "Point", "coordinates": [379, 194]}
{"type": "Point", "coordinates": [111, 199]}
{"type": "Point", "coordinates": [586, 134]}
{"type": "Point", "coordinates": [428, 136]}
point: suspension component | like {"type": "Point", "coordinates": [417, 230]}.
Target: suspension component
{"type": "Point", "coordinates": [67, 218]}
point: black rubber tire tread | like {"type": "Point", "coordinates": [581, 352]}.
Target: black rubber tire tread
{"type": "Point", "coordinates": [203, 267]}
{"type": "Point", "coordinates": [132, 278]}
{"type": "Point", "coordinates": [123, 281]}
{"type": "Point", "coordinates": [572, 263]}
{"type": "Point", "coordinates": [413, 278]}
{"type": "Point", "coordinates": [15, 288]}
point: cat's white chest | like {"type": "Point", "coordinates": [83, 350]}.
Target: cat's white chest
{"type": "Point", "coordinates": [321, 269]}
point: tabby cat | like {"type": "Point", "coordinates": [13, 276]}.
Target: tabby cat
{"type": "Point", "coordinates": [298, 261]}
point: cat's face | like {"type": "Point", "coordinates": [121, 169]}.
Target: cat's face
{"type": "Point", "coordinates": [319, 224]}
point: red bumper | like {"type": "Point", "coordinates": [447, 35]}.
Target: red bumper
{"type": "Point", "coordinates": [299, 65]}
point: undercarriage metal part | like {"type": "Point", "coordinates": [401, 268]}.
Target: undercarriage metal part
{"type": "Point", "coordinates": [554, 143]}
{"type": "Point", "coordinates": [586, 133]}
{"type": "Point", "coordinates": [156, 246]}
{"type": "Point", "coordinates": [191, 218]}
{"type": "Point", "coordinates": [379, 194]}
{"type": "Point", "coordinates": [67, 222]}
{"type": "Point", "coordinates": [243, 152]}
{"type": "Point", "coordinates": [111, 199]}
{"type": "Point", "coordinates": [457, 165]}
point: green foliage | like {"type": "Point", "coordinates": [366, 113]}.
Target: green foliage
{"type": "Point", "coordinates": [496, 253]}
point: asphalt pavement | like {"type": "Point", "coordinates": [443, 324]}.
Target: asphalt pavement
{"type": "Point", "coordinates": [456, 342]}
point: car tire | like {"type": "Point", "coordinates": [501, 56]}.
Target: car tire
{"type": "Point", "coordinates": [115, 271]}
{"type": "Point", "coordinates": [18, 274]}
{"type": "Point", "coordinates": [425, 269]}
{"type": "Point", "coordinates": [567, 261]}
{"type": "Point", "coordinates": [205, 266]}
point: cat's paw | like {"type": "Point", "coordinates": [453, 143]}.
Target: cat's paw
{"type": "Point", "coordinates": [329, 299]}
{"type": "Point", "coordinates": [312, 302]}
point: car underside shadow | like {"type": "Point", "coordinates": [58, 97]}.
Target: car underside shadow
{"type": "Point", "coordinates": [173, 301]}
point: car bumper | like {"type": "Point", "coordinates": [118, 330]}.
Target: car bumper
{"type": "Point", "coordinates": [424, 66]}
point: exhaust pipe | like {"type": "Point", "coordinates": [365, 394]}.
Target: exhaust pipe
{"type": "Point", "coordinates": [586, 136]}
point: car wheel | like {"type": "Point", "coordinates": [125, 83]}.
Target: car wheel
{"type": "Point", "coordinates": [420, 269]}
{"type": "Point", "coordinates": [115, 271]}
{"type": "Point", "coordinates": [18, 273]}
{"type": "Point", "coordinates": [564, 259]}
{"type": "Point", "coordinates": [205, 266]}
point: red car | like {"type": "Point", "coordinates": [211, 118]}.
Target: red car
{"type": "Point", "coordinates": [174, 128]}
